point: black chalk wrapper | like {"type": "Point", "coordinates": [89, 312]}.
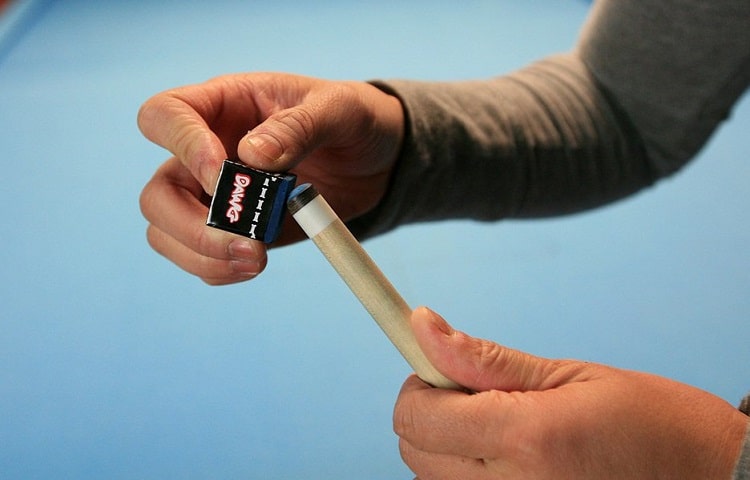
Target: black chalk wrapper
{"type": "Point", "coordinates": [250, 202]}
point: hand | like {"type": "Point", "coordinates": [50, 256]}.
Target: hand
{"type": "Point", "coordinates": [348, 134]}
{"type": "Point", "coordinates": [555, 419]}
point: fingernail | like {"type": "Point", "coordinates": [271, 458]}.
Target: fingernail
{"type": "Point", "coordinates": [245, 250]}
{"type": "Point", "coordinates": [439, 322]}
{"type": "Point", "coordinates": [442, 325]}
{"type": "Point", "coordinates": [245, 269]}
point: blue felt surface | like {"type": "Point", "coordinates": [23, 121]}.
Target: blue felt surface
{"type": "Point", "coordinates": [116, 364]}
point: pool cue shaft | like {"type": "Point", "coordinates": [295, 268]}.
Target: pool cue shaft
{"type": "Point", "coordinates": [363, 277]}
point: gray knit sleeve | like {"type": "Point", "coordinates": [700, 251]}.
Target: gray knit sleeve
{"type": "Point", "coordinates": [646, 86]}
{"type": "Point", "coordinates": [742, 470]}
{"type": "Point", "coordinates": [545, 140]}
{"type": "Point", "coordinates": [676, 67]}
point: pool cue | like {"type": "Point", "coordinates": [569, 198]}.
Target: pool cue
{"type": "Point", "coordinates": [363, 277]}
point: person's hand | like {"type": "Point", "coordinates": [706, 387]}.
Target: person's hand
{"type": "Point", "coordinates": [348, 134]}
{"type": "Point", "coordinates": [555, 419]}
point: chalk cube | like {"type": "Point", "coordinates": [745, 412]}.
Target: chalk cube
{"type": "Point", "coordinates": [250, 202]}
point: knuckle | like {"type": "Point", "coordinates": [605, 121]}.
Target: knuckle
{"type": "Point", "coordinates": [152, 237]}
{"type": "Point", "coordinates": [205, 244]}
{"type": "Point", "coordinates": [154, 112]}
{"type": "Point", "coordinates": [491, 357]}
{"type": "Point", "coordinates": [301, 124]}
{"type": "Point", "coordinates": [409, 425]}
{"type": "Point", "coordinates": [408, 453]}
{"type": "Point", "coordinates": [187, 140]}
{"type": "Point", "coordinates": [403, 419]}
{"type": "Point", "coordinates": [169, 120]}
{"type": "Point", "coordinates": [146, 201]}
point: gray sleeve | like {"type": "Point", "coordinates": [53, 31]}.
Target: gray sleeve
{"type": "Point", "coordinates": [675, 66]}
{"type": "Point", "coordinates": [742, 470]}
{"type": "Point", "coordinates": [573, 131]}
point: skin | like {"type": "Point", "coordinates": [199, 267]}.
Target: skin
{"type": "Point", "coordinates": [530, 417]}
{"type": "Point", "coordinates": [534, 418]}
{"type": "Point", "coordinates": [348, 134]}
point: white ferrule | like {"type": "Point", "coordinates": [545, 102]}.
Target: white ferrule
{"type": "Point", "coordinates": [315, 216]}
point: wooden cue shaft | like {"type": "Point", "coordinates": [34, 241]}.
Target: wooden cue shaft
{"type": "Point", "coordinates": [376, 293]}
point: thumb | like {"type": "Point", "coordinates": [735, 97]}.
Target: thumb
{"type": "Point", "coordinates": [285, 138]}
{"type": "Point", "coordinates": [477, 364]}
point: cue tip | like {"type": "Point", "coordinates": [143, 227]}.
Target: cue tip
{"type": "Point", "coordinates": [300, 196]}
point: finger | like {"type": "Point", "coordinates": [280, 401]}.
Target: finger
{"type": "Point", "coordinates": [481, 365]}
{"type": "Point", "coordinates": [176, 121]}
{"type": "Point", "coordinates": [437, 466]}
{"type": "Point", "coordinates": [483, 425]}
{"type": "Point", "coordinates": [213, 271]}
{"type": "Point", "coordinates": [282, 141]}
{"type": "Point", "coordinates": [510, 413]}
{"type": "Point", "coordinates": [170, 201]}
{"type": "Point", "coordinates": [331, 116]}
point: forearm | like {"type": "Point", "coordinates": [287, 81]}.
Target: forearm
{"type": "Point", "coordinates": [541, 141]}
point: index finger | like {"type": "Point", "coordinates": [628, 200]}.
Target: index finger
{"type": "Point", "coordinates": [176, 120]}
